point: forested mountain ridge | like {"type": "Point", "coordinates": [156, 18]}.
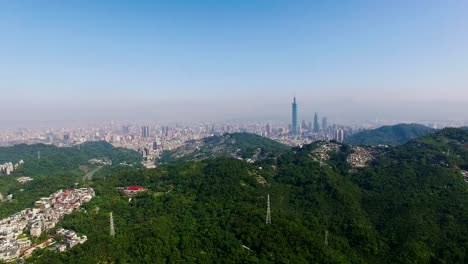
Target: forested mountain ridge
{"type": "Point", "coordinates": [416, 197]}
{"type": "Point", "coordinates": [410, 205]}
{"type": "Point", "coordinates": [53, 169]}
{"type": "Point", "coordinates": [389, 135]}
{"type": "Point", "coordinates": [63, 160]}
{"type": "Point", "coordinates": [236, 145]}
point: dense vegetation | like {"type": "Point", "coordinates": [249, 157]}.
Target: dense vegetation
{"type": "Point", "coordinates": [409, 206]}
{"type": "Point", "coordinates": [237, 145]}
{"type": "Point", "coordinates": [57, 168]}
{"type": "Point", "coordinates": [62, 161]}
{"type": "Point", "coordinates": [389, 135]}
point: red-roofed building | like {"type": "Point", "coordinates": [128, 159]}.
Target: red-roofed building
{"type": "Point", "coordinates": [132, 190]}
{"type": "Point", "coordinates": [135, 188]}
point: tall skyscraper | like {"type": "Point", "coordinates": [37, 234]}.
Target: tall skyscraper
{"type": "Point", "coordinates": [125, 129]}
{"type": "Point", "coordinates": [268, 130]}
{"type": "Point", "coordinates": [144, 131]}
{"type": "Point", "coordinates": [339, 135]}
{"type": "Point", "coordinates": [316, 123]}
{"type": "Point", "coordinates": [304, 125]}
{"type": "Point", "coordinates": [324, 123]}
{"type": "Point", "coordinates": [294, 118]}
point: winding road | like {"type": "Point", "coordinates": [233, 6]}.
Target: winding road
{"type": "Point", "coordinates": [89, 175]}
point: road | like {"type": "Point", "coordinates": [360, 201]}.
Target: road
{"type": "Point", "coordinates": [89, 175]}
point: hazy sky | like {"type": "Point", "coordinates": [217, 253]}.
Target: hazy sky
{"type": "Point", "coordinates": [215, 60]}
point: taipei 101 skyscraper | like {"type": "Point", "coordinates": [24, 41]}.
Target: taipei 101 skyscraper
{"type": "Point", "coordinates": [294, 118]}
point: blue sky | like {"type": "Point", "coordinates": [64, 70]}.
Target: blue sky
{"type": "Point", "coordinates": [244, 58]}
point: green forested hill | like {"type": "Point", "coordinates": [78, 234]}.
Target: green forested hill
{"type": "Point", "coordinates": [417, 200]}
{"type": "Point", "coordinates": [55, 160]}
{"type": "Point", "coordinates": [237, 145]}
{"type": "Point", "coordinates": [389, 135]}
{"type": "Point", "coordinates": [409, 206]}
{"type": "Point", "coordinates": [57, 168]}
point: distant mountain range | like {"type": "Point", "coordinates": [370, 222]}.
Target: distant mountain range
{"type": "Point", "coordinates": [390, 135]}
{"type": "Point", "coordinates": [237, 145]}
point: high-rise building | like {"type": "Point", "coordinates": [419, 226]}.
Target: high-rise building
{"type": "Point", "coordinates": [324, 123]}
{"type": "Point", "coordinates": [268, 130]}
{"type": "Point", "coordinates": [339, 135]}
{"type": "Point", "coordinates": [125, 129]}
{"type": "Point", "coordinates": [144, 131]}
{"type": "Point", "coordinates": [316, 123]}
{"type": "Point", "coordinates": [304, 125]}
{"type": "Point", "coordinates": [294, 118]}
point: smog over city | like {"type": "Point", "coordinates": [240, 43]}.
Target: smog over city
{"type": "Point", "coordinates": [185, 61]}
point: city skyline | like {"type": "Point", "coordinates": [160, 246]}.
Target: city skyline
{"type": "Point", "coordinates": [278, 113]}
{"type": "Point", "coordinates": [154, 60]}
{"type": "Point", "coordinates": [294, 125]}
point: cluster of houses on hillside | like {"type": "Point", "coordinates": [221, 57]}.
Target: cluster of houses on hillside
{"type": "Point", "coordinates": [71, 239]}
{"type": "Point", "coordinates": [8, 167]}
{"type": "Point", "coordinates": [360, 157]}
{"type": "Point", "coordinates": [100, 161]}
{"type": "Point", "coordinates": [48, 211]}
{"type": "Point", "coordinates": [465, 175]}
{"type": "Point", "coordinates": [24, 179]}
{"type": "Point", "coordinates": [324, 150]}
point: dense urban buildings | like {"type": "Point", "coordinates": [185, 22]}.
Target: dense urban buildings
{"type": "Point", "coordinates": [47, 212]}
{"type": "Point", "coordinates": [8, 167]}
{"type": "Point", "coordinates": [151, 139]}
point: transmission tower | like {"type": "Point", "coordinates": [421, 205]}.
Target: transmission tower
{"type": "Point", "coordinates": [268, 216]}
{"type": "Point", "coordinates": [112, 229]}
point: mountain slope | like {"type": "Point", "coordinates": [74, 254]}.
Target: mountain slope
{"type": "Point", "coordinates": [237, 145]}
{"type": "Point", "coordinates": [389, 135]}
{"type": "Point", "coordinates": [57, 168]}
{"type": "Point", "coordinates": [55, 160]}
{"type": "Point", "coordinates": [213, 211]}
{"type": "Point", "coordinates": [415, 196]}
{"type": "Point", "coordinates": [410, 205]}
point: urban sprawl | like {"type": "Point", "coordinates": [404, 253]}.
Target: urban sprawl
{"type": "Point", "coordinates": [150, 140]}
